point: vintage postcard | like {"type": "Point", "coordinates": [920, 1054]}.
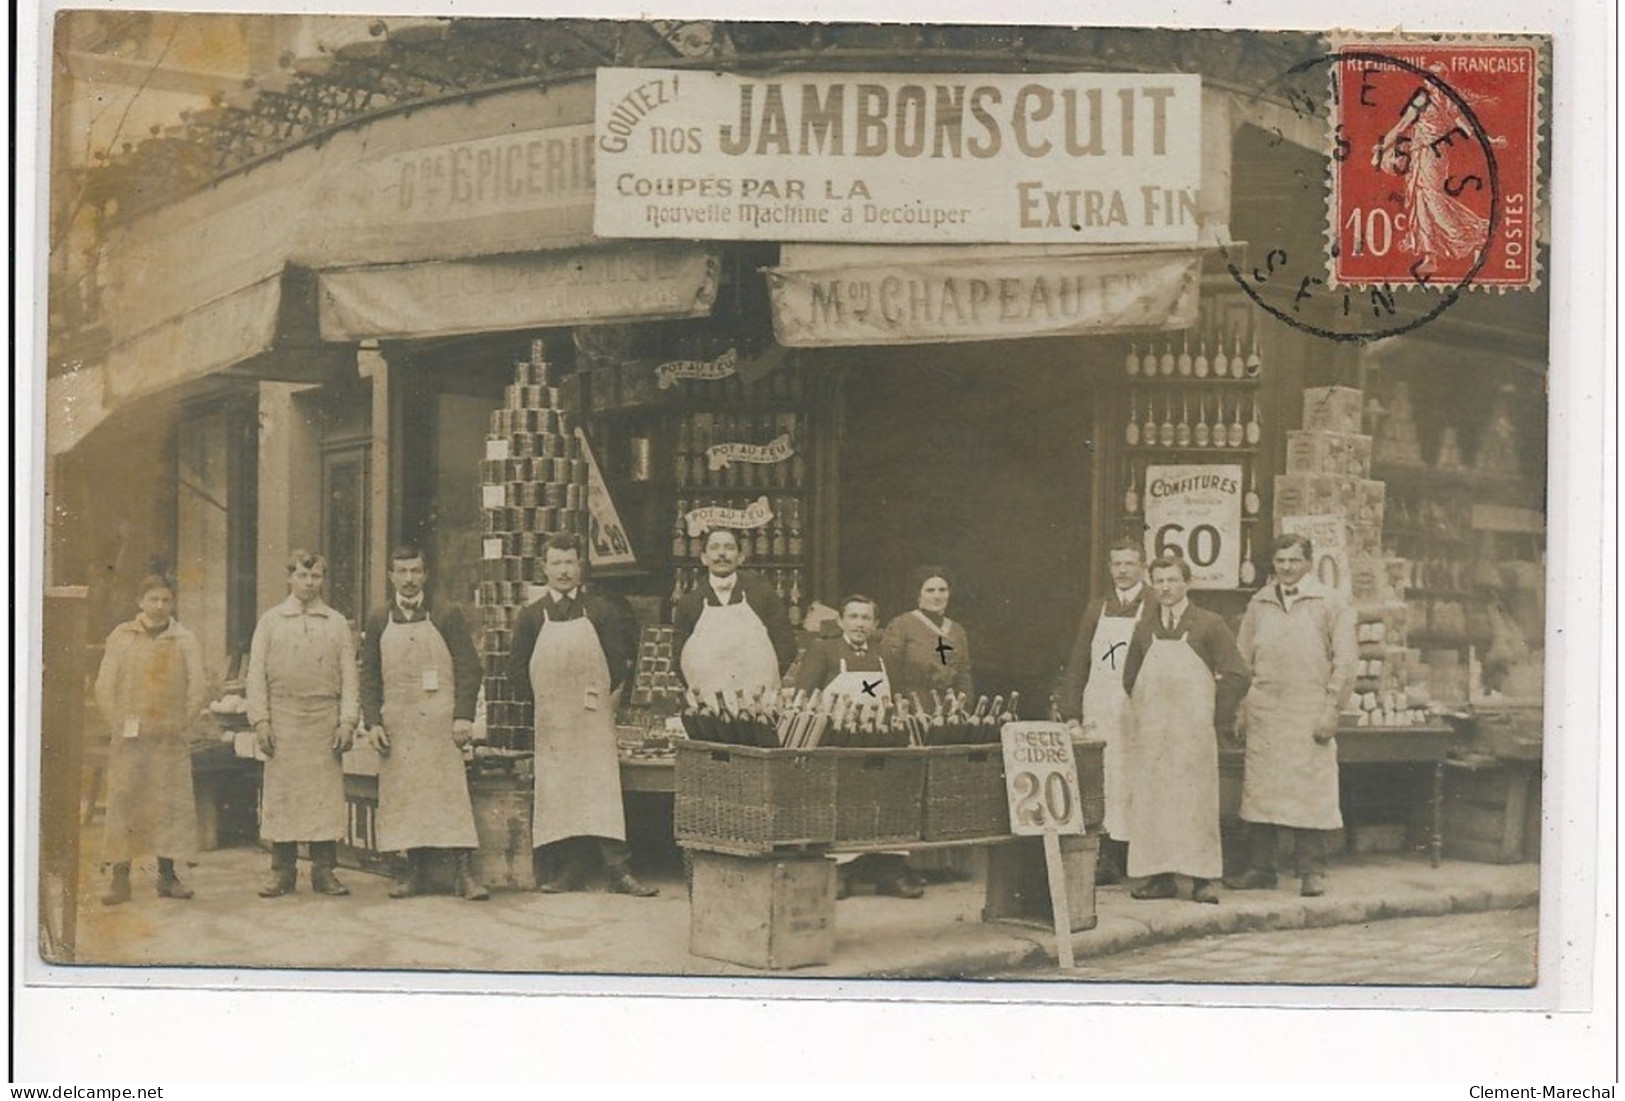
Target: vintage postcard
{"type": "Point", "coordinates": [753, 500]}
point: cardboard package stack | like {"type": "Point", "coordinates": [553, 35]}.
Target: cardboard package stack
{"type": "Point", "coordinates": [1328, 494]}
{"type": "Point", "coordinates": [534, 483]}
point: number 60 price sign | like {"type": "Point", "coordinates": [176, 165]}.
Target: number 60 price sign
{"type": "Point", "coordinates": [1195, 510]}
{"type": "Point", "coordinates": [1041, 781]}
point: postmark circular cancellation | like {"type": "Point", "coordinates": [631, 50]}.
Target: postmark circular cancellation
{"type": "Point", "coordinates": [1432, 184]}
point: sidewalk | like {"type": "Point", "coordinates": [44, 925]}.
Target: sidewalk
{"type": "Point", "coordinates": [940, 936]}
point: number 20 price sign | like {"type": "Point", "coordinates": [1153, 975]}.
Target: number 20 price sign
{"type": "Point", "coordinates": [1195, 510]}
{"type": "Point", "coordinates": [1041, 780]}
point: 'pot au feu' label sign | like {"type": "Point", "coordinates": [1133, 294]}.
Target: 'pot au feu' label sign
{"type": "Point", "coordinates": [724, 366]}
{"type": "Point", "coordinates": [720, 455]}
{"type": "Point", "coordinates": [754, 515]}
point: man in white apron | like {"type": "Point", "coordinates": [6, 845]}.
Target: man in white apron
{"type": "Point", "coordinates": [302, 700]}
{"type": "Point", "coordinates": [731, 633]}
{"type": "Point", "coordinates": [1300, 641]}
{"type": "Point", "coordinates": [420, 682]}
{"type": "Point", "coordinates": [1090, 693]}
{"type": "Point", "coordinates": [572, 651]}
{"type": "Point", "coordinates": [1184, 678]}
{"type": "Point", "coordinates": [850, 665]}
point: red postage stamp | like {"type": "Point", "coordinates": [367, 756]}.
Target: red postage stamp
{"type": "Point", "coordinates": [1434, 164]}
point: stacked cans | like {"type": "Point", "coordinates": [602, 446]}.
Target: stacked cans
{"type": "Point", "coordinates": [533, 485]}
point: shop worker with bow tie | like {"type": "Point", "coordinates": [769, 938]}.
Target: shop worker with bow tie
{"type": "Point", "coordinates": [420, 684]}
{"type": "Point", "coordinates": [572, 651]}
{"type": "Point", "coordinates": [1184, 679]}
{"type": "Point", "coordinates": [1299, 639]}
{"type": "Point", "coordinates": [731, 633]}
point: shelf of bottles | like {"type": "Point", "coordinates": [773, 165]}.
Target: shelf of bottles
{"type": "Point", "coordinates": [533, 484]}
{"type": "Point", "coordinates": [764, 420]}
{"type": "Point", "coordinates": [1192, 397]}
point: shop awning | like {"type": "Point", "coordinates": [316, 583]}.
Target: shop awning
{"type": "Point", "coordinates": [217, 334]}
{"type": "Point", "coordinates": [835, 295]}
{"type": "Point", "coordinates": [634, 282]}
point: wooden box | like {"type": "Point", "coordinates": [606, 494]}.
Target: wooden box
{"type": "Point", "coordinates": [1018, 881]}
{"type": "Point", "coordinates": [768, 912]}
{"type": "Point", "coordinates": [1492, 811]}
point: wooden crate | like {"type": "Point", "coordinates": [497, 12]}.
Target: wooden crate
{"type": "Point", "coordinates": [1018, 882]}
{"type": "Point", "coordinates": [768, 912]}
{"type": "Point", "coordinates": [1492, 811]}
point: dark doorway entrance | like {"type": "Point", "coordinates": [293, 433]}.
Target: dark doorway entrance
{"type": "Point", "coordinates": [975, 457]}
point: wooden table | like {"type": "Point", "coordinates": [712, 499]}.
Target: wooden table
{"type": "Point", "coordinates": [1403, 745]}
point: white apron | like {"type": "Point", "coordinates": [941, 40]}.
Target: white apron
{"type": "Point", "coordinates": [1289, 779]}
{"type": "Point", "coordinates": [578, 767]}
{"type": "Point", "coordinates": [303, 797]}
{"type": "Point", "coordinates": [851, 684]}
{"type": "Point", "coordinates": [1103, 702]}
{"type": "Point", "coordinates": [422, 786]}
{"type": "Point", "coordinates": [730, 651]}
{"type": "Point", "coordinates": [1173, 759]}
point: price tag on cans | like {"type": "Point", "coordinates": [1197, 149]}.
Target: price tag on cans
{"type": "Point", "coordinates": [491, 549]}
{"type": "Point", "coordinates": [493, 496]}
{"type": "Point", "coordinates": [496, 448]}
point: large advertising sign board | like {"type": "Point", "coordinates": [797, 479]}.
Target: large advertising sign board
{"type": "Point", "coordinates": [1077, 158]}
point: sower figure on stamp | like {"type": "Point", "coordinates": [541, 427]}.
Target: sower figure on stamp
{"type": "Point", "coordinates": [1300, 640]}
{"type": "Point", "coordinates": [1091, 692]}
{"type": "Point", "coordinates": [420, 682]}
{"type": "Point", "coordinates": [572, 651]}
{"type": "Point", "coordinates": [1184, 678]}
{"type": "Point", "coordinates": [302, 700]}
{"type": "Point", "coordinates": [149, 689]}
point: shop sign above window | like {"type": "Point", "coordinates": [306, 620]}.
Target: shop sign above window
{"type": "Point", "coordinates": [1080, 158]}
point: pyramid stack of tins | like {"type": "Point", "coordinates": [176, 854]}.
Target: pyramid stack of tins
{"type": "Point", "coordinates": [1328, 466]}
{"type": "Point", "coordinates": [534, 484]}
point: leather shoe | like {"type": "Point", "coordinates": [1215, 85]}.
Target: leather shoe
{"type": "Point", "coordinates": [324, 882]}
{"type": "Point", "coordinates": [1251, 880]}
{"type": "Point", "coordinates": [1158, 886]}
{"type": "Point", "coordinates": [173, 888]}
{"type": "Point", "coordinates": [628, 884]}
{"type": "Point", "coordinates": [1202, 891]}
{"type": "Point", "coordinates": [1313, 885]}
{"type": "Point", "coordinates": [277, 886]}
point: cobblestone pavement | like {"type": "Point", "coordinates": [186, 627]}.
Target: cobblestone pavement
{"type": "Point", "coordinates": [1495, 948]}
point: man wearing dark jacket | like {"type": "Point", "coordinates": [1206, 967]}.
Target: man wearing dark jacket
{"type": "Point", "coordinates": [731, 633]}
{"type": "Point", "coordinates": [420, 684]}
{"type": "Point", "coordinates": [572, 651]}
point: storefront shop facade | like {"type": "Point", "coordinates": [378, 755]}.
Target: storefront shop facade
{"type": "Point", "coordinates": [400, 271]}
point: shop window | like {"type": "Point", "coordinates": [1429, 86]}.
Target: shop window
{"type": "Point", "coordinates": [214, 530]}
{"type": "Point", "coordinates": [345, 492]}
